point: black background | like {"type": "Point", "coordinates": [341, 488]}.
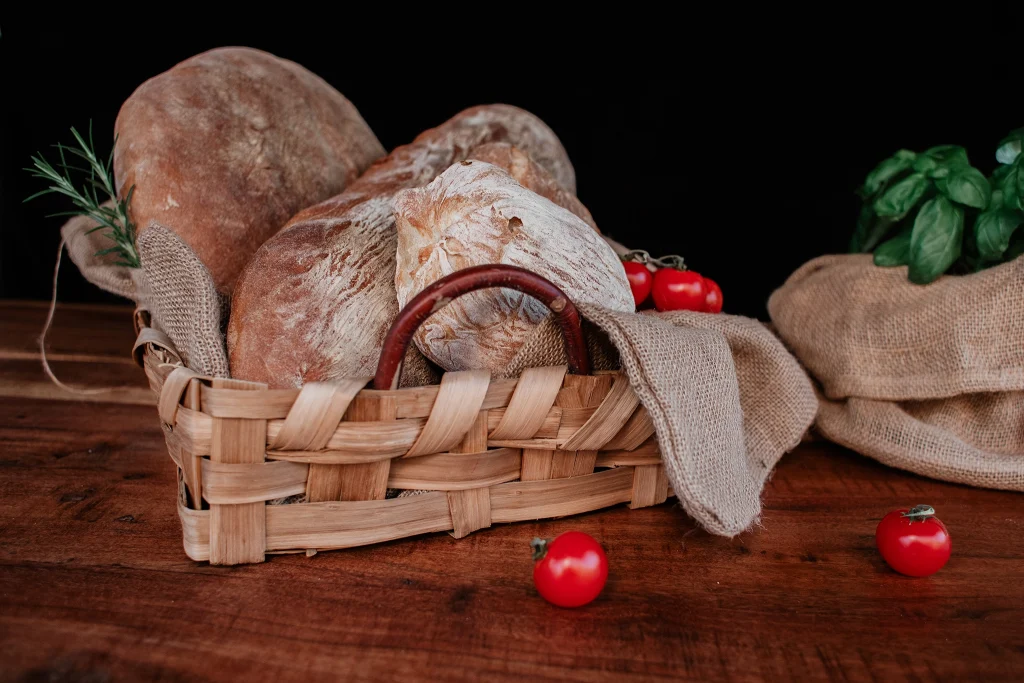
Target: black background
{"type": "Point", "coordinates": [734, 139]}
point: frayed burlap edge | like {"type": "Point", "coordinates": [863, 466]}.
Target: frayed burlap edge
{"type": "Point", "coordinates": [726, 399]}
{"type": "Point", "coordinates": [186, 303]}
{"type": "Point", "coordinates": [886, 432]}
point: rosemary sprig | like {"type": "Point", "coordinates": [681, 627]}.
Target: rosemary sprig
{"type": "Point", "coordinates": [99, 179]}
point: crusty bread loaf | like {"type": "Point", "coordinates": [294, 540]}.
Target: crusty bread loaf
{"type": "Point", "coordinates": [318, 298]}
{"type": "Point", "coordinates": [532, 176]}
{"type": "Point", "coordinates": [226, 146]}
{"type": "Point", "coordinates": [474, 214]}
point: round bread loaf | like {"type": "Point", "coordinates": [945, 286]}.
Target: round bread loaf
{"type": "Point", "coordinates": [474, 214]}
{"type": "Point", "coordinates": [317, 299]}
{"type": "Point", "coordinates": [226, 146]}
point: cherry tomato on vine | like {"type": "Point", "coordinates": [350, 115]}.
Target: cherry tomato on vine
{"type": "Point", "coordinates": [640, 280]}
{"type": "Point", "coordinates": [712, 296]}
{"type": "Point", "coordinates": [570, 570]}
{"type": "Point", "coordinates": [914, 542]}
{"type": "Point", "coordinates": [678, 290]}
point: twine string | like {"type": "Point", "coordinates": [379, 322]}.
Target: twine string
{"type": "Point", "coordinates": [46, 329]}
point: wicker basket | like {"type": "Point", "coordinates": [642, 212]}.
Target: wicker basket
{"type": "Point", "coordinates": [336, 465]}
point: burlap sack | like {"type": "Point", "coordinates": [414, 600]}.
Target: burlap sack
{"type": "Point", "coordinates": [925, 378]}
{"type": "Point", "coordinates": [82, 247]}
{"type": "Point", "coordinates": [726, 398]}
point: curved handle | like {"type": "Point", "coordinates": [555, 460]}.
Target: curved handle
{"type": "Point", "coordinates": [441, 293]}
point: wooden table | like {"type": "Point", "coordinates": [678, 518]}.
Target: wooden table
{"type": "Point", "coordinates": [94, 584]}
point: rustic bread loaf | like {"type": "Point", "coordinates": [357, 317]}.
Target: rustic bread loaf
{"type": "Point", "coordinates": [226, 146]}
{"type": "Point", "coordinates": [532, 176]}
{"type": "Point", "coordinates": [317, 299]}
{"type": "Point", "coordinates": [474, 214]}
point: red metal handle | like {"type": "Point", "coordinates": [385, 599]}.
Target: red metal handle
{"type": "Point", "coordinates": [444, 291]}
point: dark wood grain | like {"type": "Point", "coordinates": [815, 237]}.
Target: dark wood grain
{"type": "Point", "coordinates": [79, 330]}
{"type": "Point", "coordinates": [94, 584]}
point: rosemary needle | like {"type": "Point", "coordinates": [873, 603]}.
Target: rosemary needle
{"type": "Point", "coordinates": [98, 181]}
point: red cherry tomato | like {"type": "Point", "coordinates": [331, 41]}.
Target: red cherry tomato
{"type": "Point", "coordinates": [712, 296]}
{"type": "Point", "coordinates": [570, 570]}
{"type": "Point", "coordinates": [678, 290]}
{"type": "Point", "coordinates": [914, 542]}
{"type": "Point", "coordinates": [640, 280]}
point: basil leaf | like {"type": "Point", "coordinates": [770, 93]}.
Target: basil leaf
{"type": "Point", "coordinates": [938, 162]}
{"type": "Point", "coordinates": [996, 200]}
{"type": "Point", "coordinates": [871, 230]}
{"type": "Point", "coordinates": [1008, 151]}
{"type": "Point", "coordinates": [1020, 184]}
{"type": "Point", "coordinates": [999, 174]}
{"type": "Point", "coordinates": [901, 197]}
{"type": "Point", "coordinates": [992, 231]}
{"type": "Point", "coordinates": [878, 232]}
{"type": "Point", "coordinates": [894, 252]}
{"type": "Point", "coordinates": [925, 164]}
{"type": "Point", "coordinates": [1009, 148]}
{"type": "Point", "coordinates": [968, 186]}
{"type": "Point", "coordinates": [887, 170]}
{"type": "Point", "coordinates": [970, 260]}
{"type": "Point", "coordinates": [949, 155]}
{"type": "Point", "coordinates": [935, 240]}
{"type": "Point", "coordinates": [1009, 185]}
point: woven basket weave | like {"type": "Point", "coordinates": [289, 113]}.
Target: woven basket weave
{"type": "Point", "coordinates": [336, 465]}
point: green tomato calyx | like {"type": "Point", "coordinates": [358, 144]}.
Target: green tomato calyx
{"type": "Point", "coordinates": [919, 513]}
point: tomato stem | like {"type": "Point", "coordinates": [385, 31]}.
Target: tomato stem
{"type": "Point", "coordinates": [638, 255]}
{"type": "Point", "coordinates": [919, 513]}
{"type": "Point", "coordinates": [671, 261]}
{"type": "Point", "coordinates": [540, 547]}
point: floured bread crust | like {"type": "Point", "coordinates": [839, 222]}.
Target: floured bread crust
{"type": "Point", "coordinates": [226, 146]}
{"type": "Point", "coordinates": [476, 213]}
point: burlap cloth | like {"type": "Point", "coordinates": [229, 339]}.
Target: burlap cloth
{"type": "Point", "coordinates": [726, 398]}
{"type": "Point", "coordinates": [173, 285]}
{"type": "Point", "coordinates": [184, 302]}
{"type": "Point", "coordinates": [925, 378]}
{"type": "Point", "coordinates": [82, 247]}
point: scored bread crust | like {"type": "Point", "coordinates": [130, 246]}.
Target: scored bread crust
{"type": "Point", "coordinates": [475, 214]}
{"type": "Point", "coordinates": [226, 146]}
{"type": "Point", "coordinates": [317, 299]}
{"type": "Point", "coordinates": [532, 176]}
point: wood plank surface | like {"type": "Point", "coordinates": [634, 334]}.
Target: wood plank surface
{"type": "Point", "coordinates": [94, 584]}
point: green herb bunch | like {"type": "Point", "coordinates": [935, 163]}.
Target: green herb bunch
{"type": "Point", "coordinates": [97, 181]}
{"type": "Point", "coordinates": [936, 213]}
